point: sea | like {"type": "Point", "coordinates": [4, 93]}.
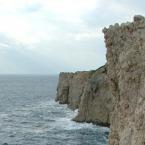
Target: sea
{"type": "Point", "coordinates": [29, 115]}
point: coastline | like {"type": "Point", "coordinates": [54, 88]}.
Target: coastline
{"type": "Point", "coordinates": [121, 86]}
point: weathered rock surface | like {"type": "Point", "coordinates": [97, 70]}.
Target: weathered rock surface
{"type": "Point", "coordinates": [76, 88]}
{"type": "Point", "coordinates": [63, 87]}
{"type": "Point", "coordinates": [70, 88]}
{"type": "Point", "coordinates": [96, 103]}
{"type": "Point", "coordinates": [126, 78]}
{"type": "Point", "coordinates": [88, 91]}
{"type": "Point", "coordinates": [126, 74]}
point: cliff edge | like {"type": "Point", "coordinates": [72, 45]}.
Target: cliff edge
{"type": "Point", "coordinates": [126, 75]}
{"type": "Point", "coordinates": [70, 88]}
{"type": "Point", "coordinates": [116, 94]}
{"type": "Point", "coordinates": [96, 103]}
{"type": "Point", "coordinates": [63, 87]}
{"type": "Point", "coordinates": [89, 93]}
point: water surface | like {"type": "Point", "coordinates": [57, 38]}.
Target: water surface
{"type": "Point", "coordinates": [30, 116]}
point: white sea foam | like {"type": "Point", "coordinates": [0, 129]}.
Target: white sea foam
{"type": "Point", "coordinates": [32, 117]}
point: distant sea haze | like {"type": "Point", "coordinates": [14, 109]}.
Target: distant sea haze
{"type": "Point", "coordinates": [30, 116]}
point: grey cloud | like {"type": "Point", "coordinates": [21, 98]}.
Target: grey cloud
{"type": "Point", "coordinates": [108, 13]}
{"type": "Point", "coordinates": [16, 59]}
{"type": "Point", "coordinates": [63, 52]}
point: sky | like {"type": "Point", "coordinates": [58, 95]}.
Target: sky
{"type": "Point", "coordinates": [51, 36]}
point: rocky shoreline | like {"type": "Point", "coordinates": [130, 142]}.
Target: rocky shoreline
{"type": "Point", "coordinates": [115, 93]}
{"type": "Point", "coordinates": [88, 92]}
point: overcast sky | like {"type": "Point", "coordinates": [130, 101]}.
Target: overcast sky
{"type": "Point", "coordinates": [49, 36]}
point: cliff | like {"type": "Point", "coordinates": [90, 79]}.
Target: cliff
{"type": "Point", "coordinates": [70, 88]}
{"type": "Point", "coordinates": [116, 94]}
{"type": "Point", "coordinates": [96, 103]}
{"type": "Point", "coordinates": [88, 91]}
{"type": "Point", "coordinates": [63, 87]}
{"type": "Point", "coordinates": [126, 75]}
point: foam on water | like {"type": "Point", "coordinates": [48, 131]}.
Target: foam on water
{"type": "Point", "coordinates": [30, 116]}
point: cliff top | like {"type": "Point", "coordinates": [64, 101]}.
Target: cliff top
{"type": "Point", "coordinates": [138, 22]}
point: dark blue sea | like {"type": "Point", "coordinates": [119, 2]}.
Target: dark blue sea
{"type": "Point", "coordinates": [29, 115]}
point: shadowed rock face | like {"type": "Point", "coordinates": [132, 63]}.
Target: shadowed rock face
{"type": "Point", "coordinates": [76, 88]}
{"type": "Point", "coordinates": [121, 92]}
{"type": "Point", "coordinates": [96, 103]}
{"type": "Point", "coordinates": [63, 87]}
{"type": "Point", "coordinates": [70, 88]}
{"type": "Point", "coordinates": [126, 74]}
{"type": "Point", "coordinates": [88, 91]}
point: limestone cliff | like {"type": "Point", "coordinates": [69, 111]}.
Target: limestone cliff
{"type": "Point", "coordinates": [95, 103]}
{"type": "Point", "coordinates": [126, 74]}
{"type": "Point", "coordinates": [76, 88]}
{"type": "Point", "coordinates": [121, 92]}
{"type": "Point", "coordinates": [88, 91]}
{"type": "Point", "coordinates": [63, 87]}
{"type": "Point", "coordinates": [70, 88]}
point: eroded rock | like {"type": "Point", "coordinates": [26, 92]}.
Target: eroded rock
{"type": "Point", "coordinates": [96, 105]}
{"type": "Point", "coordinates": [63, 87]}
{"type": "Point", "coordinates": [88, 91]}
{"type": "Point", "coordinates": [76, 88]}
{"type": "Point", "coordinates": [70, 88]}
{"type": "Point", "coordinates": [126, 75]}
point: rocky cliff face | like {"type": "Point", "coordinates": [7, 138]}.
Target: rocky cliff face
{"type": "Point", "coordinates": [121, 92]}
{"type": "Point", "coordinates": [76, 88]}
{"type": "Point", "coordinates": [63, 87]}
{"type": "Point", "coordinates": [71, 87]}
{"type": "Point", "coordinates": [96, 103]}
{"type": "Point", "coordinates": [126, 74]}
{"type": "Point", "coordinates": [88, 91]}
